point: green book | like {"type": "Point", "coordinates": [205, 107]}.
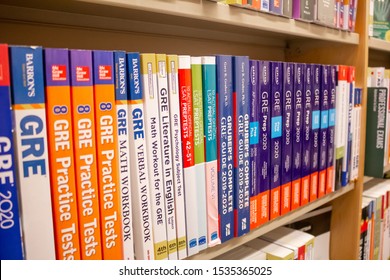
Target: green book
{"type": "Point", "coordinates": [375, 131]}
{"type": "Point", "coordinates": [382, 19]}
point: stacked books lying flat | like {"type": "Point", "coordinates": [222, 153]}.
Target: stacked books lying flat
{"type": "Point", "coordinates": [375, 223]}
{"type": "Point", "coordinates": [115, 155]}
{"type": "Point", "coordinates": [280, 244]}
{"type": "Point", "coordinates": [339, 14]}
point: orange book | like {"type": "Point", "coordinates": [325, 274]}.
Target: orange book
{"type": "Point", "coordinates": [62, 179]}
{"type": "Point", "coordinates": [85, 154]}
{"type": "Point", "coordinates": [107, 152]}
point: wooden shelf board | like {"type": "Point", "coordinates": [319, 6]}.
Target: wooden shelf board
{"type": "Point", "coordinates": [213, 252]}
{"type": "Point", "coordinates": [378, 44]}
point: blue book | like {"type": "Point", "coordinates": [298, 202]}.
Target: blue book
{"type": "Point", "coordinates": [241, 110]}
{"type": "Point", "coordinates": [225, 146]}
{"type": "Point", "coordinates": [10, 234]}
{"type": "Point", "coordinates": [276, 137]}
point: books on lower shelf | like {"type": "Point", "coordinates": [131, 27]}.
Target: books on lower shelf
{"type": "Point", "coordinates": [168, 155]}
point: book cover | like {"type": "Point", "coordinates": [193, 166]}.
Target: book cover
{"type": "Point", "coordinates": [31, 153]}
{"type": "Point", "coordinates": [341, 121]}
{"type": "Point", "coordinates": [324, 123]}
{"type": "Point", "coordinates": [83, 117]}
{"type": "Point", "coordinates": [225, 146]}
{"type": "Point", "coordinates": [10, 231]}
{"type": "Point", "coordinates": [140, 194]}
{"type": "Point", "coordinates": [330, 166]}
{"type": "Point", "coordinates": [187, 136]}
{"type": "Point", "coordinates": [122, 98]}
{"type": "Point", "coordinates": [199, 151]}
{"type": "Point", "coordinates": [107, 153]}
{"type": "Point", "coordinates": [375, 133]}
{"type": "Point", "coordinates": [287, 143]}
{"type": "Point", "coordinates": [276, 137]}
{"type": "Point", "coordinates": [165, 128]}
{"type": "Point", "coordinates": [315, 131]}
{"type": "Point", "coordinates": [61, 160]}
{"type": "Point", "coordinates": [307, 193]}
{"type": "Point", "coordinates": [325, 13]}
{"type": "Point", "coordinates": [153, 152]}
{"type": "Point", "coordinates": [299, 87]}
{"type": "Point", "coordinates": [254, 144]}
{"type": "Point", "coordinates": [265, 140]}
{"type": "Point", "coordinates": [241, 158]}
{"type": "Point", "coordinates": [177, 157]}
{"type": "Point", "coordinates": [276, 7]}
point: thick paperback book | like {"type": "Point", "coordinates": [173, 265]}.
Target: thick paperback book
{"type": "Point", "coordinates": [107, 152]}
{"type": "Point", "coordinates": [225, 146]}
{"type": "Point", "coordinates": [276, 137]}
{"type": "Point", "coordinates": [254, 144]}
{"type": "Point", "coordinates": [84, 140]}
{"type": "Point", "coordinates": [287, 101]}
{"type": "Point", "coordinates": [241, 110]}
{"type": "Point", "coordinates": [153, 151]}
{"type": "Point", "coordinates": [10, 231]}
{"type": "Point", "coordinates": [299, 87]}
{"type": "Point", "coordinates": [122, 98]}
{"type": "Point", "coordinates": [307, 193]}
{"type": "Point", "coordinates": [33, 172]}
{"type": "Point", "coordinates": [315, 131]}
{"type": "Point", "coordinates": [60, 139]}
{"type": "Point", "coordinates": [166, 155]}
{"type": "Point", "coordinates": [187, 140]}
{"type": "Point", "coordinates": [177, 157]}
{"type": "Point", "coordinates": [209, 82]}
{"type": "Point", "coordinates": [140, 194]}
{"type": "Point", "coordinates": [265, 140]}
{"type": "Point", "coordinates": [199, 155]}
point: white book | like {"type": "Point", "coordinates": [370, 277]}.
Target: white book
{"type": "Point", "coordinates": [264, 5]}
{"type": "Point", "coordinates": [177, 156]}
{"type": "Point", "coordinates": [353, 167]}
{"type": "Point", "coordinates": [273, 251]}
{"type": "Point", "coordinates": [153, 151]}
{"type": "Point", "coordinates": [187, 137]}
{"type": "Point", "coordinates": [140, 194]}
{"type": "Point", "coordinates": [199, 154]}
{"type": "Point", "coordinates": [31, 152]}
{"type": "Point", "coordinates": [123, 111]}
{"type": "Point", "coordinates": [371, 18]}
{"type": "Point", "coordinates": [165, 128]}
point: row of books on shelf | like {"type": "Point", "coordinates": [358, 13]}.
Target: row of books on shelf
{"type": "Point", "coordinates": [379, 19]}
{"type": "Point", "coordinates": [378, 116]}
{"type": "Point", "coordinates": [283, 243]}
{"type": "Point", "coordinates": [115, 155]}
{"type": "Point", "coordinates": [339, 14]}
{"type": "Point", "coordinates": [375, 223]}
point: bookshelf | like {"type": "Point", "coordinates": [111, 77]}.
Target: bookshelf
{"type": "Point", "coordinates": [200, 27]}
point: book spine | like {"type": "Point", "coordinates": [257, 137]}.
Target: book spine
{"type": "Point", "coordinates": [153, 148]}
{"type": "Point", "coordinates": [83, 118]}
{"type": "Point", "coordinates": [225, 146]}
{"type": "Point", "coordinates": [307, 191]}
{"type": "Point", "coordinates": [61, 160]}
{"type": "Point", "coordinates": [288, 88]}
{"type": "Point", "coordinates": [140, 194]}
{"type": "Point", "coordinates": [165, 128]}
{"type": "Point", "coordinates": [276, 6]}
{"type": "Point", "coordinates": [356, 142]}
{"type": "Point", "coordinates": [296, 9]}
{"type": "Point", "coordinates": [324, 122]}
{"type": "Point", "coordinates": [276, 137]}
{"type": "Point", "coordinates": [264, 5]}
{"type": "Point", "coordinates": [107, 153]}
{"type": "Point", "coordinates": [341, 13]}
{"type": "Point", "coordinates": [345, 14]}
{"type": "Point", "coordinates": [350, 14]}
{"type": "Point", "coordinates": [29, 115]}
{"type": "Point", "coordinates": [254, 144]}
{"type": "Point", "coordinates": [287, 8]}
{"type": "Point", "coordinates": [371, 18]}
{"type": "Point", "coordinates": [209, 80]}
{"type": "Point", "coordinates": [299, 74]}
{"type": "Point", "coordinates": [124, 163]}
{"type": "Point", "coordinates": [265, 140]}
{"type": "Point", "coordinates": [199, 155]}
{"type": "Point", "coordinates": [177, 157]}
{"type": "Point", "coordinates": [241, 110]}
{"type": "Point", "coordinates": [10, 231]}
{"type": "Point", "coordinates": [315, 130]}
{"type": "Point", "coordinates": [337, 14]}
{"type": "Point", "coordinates": [187, 136]}
{"type": "Point", "coordinates": [330, 166]}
